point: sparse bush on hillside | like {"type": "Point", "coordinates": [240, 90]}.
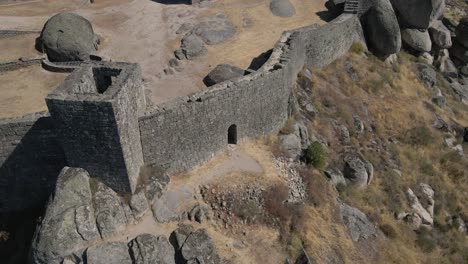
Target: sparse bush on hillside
{"type": "Point", "coordinates": [426, 240]}
{"type": "Point", "coordinates": [418, 136]}
{"type": "Point", "coordinates": [316, 155]}
{"type": "Point", "coordinates": [388, 230]}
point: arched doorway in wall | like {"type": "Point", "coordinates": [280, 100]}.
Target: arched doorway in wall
{"type": "Point", "coordinates": [232, 134]}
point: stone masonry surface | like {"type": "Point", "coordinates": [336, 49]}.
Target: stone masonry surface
{"type": "Point", "coordinates": [98, 116]}
{"type": "Point", "coordinates": [99, 129]}
{"type": "Point", "coordinates": [30, 160]}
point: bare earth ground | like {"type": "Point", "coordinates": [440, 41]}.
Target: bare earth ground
{"type": "Point", "coordinates": [23, 91]}
{"type": "Point", "coordinates": [249, 162]}
{"type": "Point", "coordinates": [143, 31]}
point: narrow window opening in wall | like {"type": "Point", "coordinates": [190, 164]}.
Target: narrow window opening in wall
{"type": "Point", "coordinates": [104, 78]}
{"type": "Point", "coordinates": [232, 134]}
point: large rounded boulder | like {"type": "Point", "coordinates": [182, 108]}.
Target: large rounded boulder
{"type": "Point", "coordinates": [381, 29]}
{"type": "Point", "coordinates": [417, 39]}
{"type": "Point", "coordinates": [282, 8]}
{"type": "Point", "coordinates": [68, 37]}
{"type": "Point", "coordinates": [221, 73]}
{"type": "Point", "coordinates": [418, 13]}
{"type": "Point", "coordinates": [462, 32]}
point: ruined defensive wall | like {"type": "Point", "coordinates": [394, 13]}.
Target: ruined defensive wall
{"type": "Point", "coordinates": [97, 120]}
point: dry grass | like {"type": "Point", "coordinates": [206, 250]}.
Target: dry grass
{"type": "Point", "coordinates": [392, 101]}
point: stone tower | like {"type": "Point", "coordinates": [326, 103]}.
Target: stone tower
{"type": "Point", "coordinates": [96, 111]}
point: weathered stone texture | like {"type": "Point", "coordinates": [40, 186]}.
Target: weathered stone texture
{"type": "Point", "coordinates": [327, 43]}
{"type": "Point", "coordinates": [98, 125]}
{"type": "Point", "coordinates": [30, 161]}
{"type": "Point", "coordinates": [191, 129]}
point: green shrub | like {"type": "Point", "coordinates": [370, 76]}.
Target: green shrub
{"type": "Point", "coordinates": [316, 155]}
{"type": "Point", "coordinates": [357, 47]}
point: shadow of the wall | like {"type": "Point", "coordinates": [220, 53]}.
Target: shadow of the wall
{"type": "Point", "coordinates": [31, 166]}
{"type": "Point", "coordinates": [173, 2]}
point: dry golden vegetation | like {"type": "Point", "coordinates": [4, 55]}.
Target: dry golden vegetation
{"type": "Point", "coordinates": [397, 107]}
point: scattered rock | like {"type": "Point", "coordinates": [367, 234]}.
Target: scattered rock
{"type": "Point", "coordinates": [282, 8]}
{"type": "Point", "coordinates": [462, 32]}
{"type": "Point", "coordinates": [335, 176]}
{"type": "Point", "coordinates": [200, 213]}
{"type": "Point", "coordinates": [381, 29]}
{"type": "Point", "coordinates": [184, 28]}
{"type": "Point", "coordinates": [445, 65]}
{"type": "Point", "coordinates": [68, 37]}
{"type": "Point", "coordinates": [343, 134]}
{"type": "Point", "coordinates": [192, 47]}
{"type": "Point", "coordinates": [139, 204]}
{"type": "Point", "coordinates": [422, 204]}
{"type": "Point", "coordinates": [148, 249]}
{"type": "Point", "coordinates": [426, 74]}
{"type": "Point", "coordinates": [440, 34]}
{"type": "Point", "coordinates": [112, 252]}
{"type": "Point", "coordinates": [359, 226]}
{"type": "Point", "coordinates": [199, 248]}
{"type": "Point", "coordinates": [221, 73]}
{"type": "Point", "coordinates": [215, 30]}
{"type": "Point", "coordinates": [358, 124]}
{"type": "Point", "coordinates": [357, 171]}
{"type": "Point", "coordinates": [293, 144]}
{"type": "Point", "coordinates": [174, 63]}
{"type": "Point", "coordinates": [417, 39]}
{"type": "Point", "coordinates": [427, 58]}
{"type": "Point", "coordinates": [440, 101]}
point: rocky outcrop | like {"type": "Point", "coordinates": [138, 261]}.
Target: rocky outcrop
{"type": "Point", "coordinates": [440, 34]}
{"type": "Point", "coordinates": [421, 202]}
{"type": "Point", "coordinates": [415, 13]}
{"type": "Point", "coordinates": [426, 74]}
{"type": "Point", "coordinates": [459, 52]}
{"type": "Point", "coordinates": [357, 171]}
{"type": "Point", "coordinates": [282, 8]}
{"type": "Point", "coordinates": [148, 249]}
{"type": "Point", "coordinates": [191, 47]}
{"type": "Point", "coordinates": [294, 143]}
{"type": "Point", "coordinates": [198, 247]}
{"type": "Point", "coordinates": [381, 29]}
{"type": "Point", "coordinates": [215, 30]}
{"type": "Point", "coordinates": [112, 252]}
{"type": "Point", "coordinates": [445, 65]}
{"type": "Point", "coordinates": [359, 226]}
{"type": "Point", "coordinates": [68, 37]}
{"type": "Point", "coordinates": [221, 73]}
{"type": "Point", "coordinates": [69, 221]}
{"type": "Point", "coordinates": [111, 214]}
{"type": "Point", "coordinates": [462, 32]}
{"type": "Point", "coordinates": [417, 39]}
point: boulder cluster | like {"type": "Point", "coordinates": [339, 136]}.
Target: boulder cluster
{"type": "Point", "coordinates": [85, 218]}
{"type": "Point", "coordinates": [420, 27]}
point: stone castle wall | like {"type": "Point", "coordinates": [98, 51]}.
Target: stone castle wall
{"type": "Point", "coordinates": [96, 111]}
{"type": "Point", "coordinates": [181, 133]}
{"type": "Point", "coordinates": [30, 160]}
{"type": "Point", "coordinates": [189, 130]}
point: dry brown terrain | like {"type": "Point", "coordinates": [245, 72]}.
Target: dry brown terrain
{"type": "Point", "coordinates": [143, 31]}
{"type": "Point", "coordinates": [23, 91]}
